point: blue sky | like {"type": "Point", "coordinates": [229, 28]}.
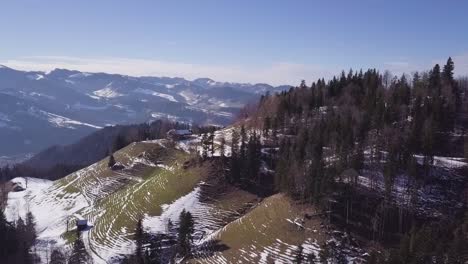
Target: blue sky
{"type": "Point", "coordinates": [246, 41]}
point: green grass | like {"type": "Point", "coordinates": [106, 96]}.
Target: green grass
{"type": "Point", "coordinates": [120, 198]}
{"type": "Point", "coordinates": [259, 231]}
{"type": "Point", "coordinates": [121, 210]}
{"type": "Point", "coordinates": [70, 236]}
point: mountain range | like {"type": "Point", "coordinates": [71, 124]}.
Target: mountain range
{"type": "Point", "coordinates": [40, 109]}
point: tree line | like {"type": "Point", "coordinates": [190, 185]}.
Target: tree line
{"type": "Point", "coordinates": [330, 132]}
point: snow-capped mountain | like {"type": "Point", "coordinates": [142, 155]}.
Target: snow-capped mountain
{"type": "Point", "coordinates": [39, 109]}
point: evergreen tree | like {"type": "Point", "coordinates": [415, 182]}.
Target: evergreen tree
{"type": "Point", "coordinates": [205, 146]}
{"type": "Point", "coordinates": [154, 255]}
{"type": "Point", "coordinates": [266, 126]}
{"type": "Point", "coordinates": [243, 154]}
{"type": "Point", "coordinates": [358, 159]}
{"type": "Point", "coordinates": [211, 144]}
{"type": "Point", "coordinates": [447, 75]}
{"type": "Point", "coordinates": [185, 233]}
{"type": "Point", "coordinates": [447, 72]}
{"type": "Point", "coordinates": [111, 161]}
{"type": "Point", "coordinates": [79, 255]}
{"type": "Point", "coordinates": [299, 255]}
{"type": "Point", "coordinates": [222, 147]}
{"type": "Point", "coordinates": [57, 257]}
{"type": "Point", "coordinates": [435, 81]}
{"type": "Point", "coordinates": [253, 159]}
{"type": "Point", "coordinates": [30, 230]}
{"type": "Point", "coordinates": [139, 238]}
{"type": "Point", "coordinates": [235, 170]}
{"type": "Point", "coordinates": [9, 240]}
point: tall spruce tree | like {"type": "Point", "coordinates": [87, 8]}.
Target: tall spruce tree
{"type": "Point", "coordinates": [139, 238]}
{"type": "Point", "coordinates": [205, 146]}
{"type": "Point", "coordinates": [222, 147]}
{"type": "Point", "coordinates": [78, 254]}
{"type": "Point", "coordinates": [435, 81]}
{"type": "Point", "coordinates": [243, 154]}
{"type": "Point", "coordinates": [111, 161]}
{"type": "Point", "coordinates": [185, 233]}
{"type": "Point", "coordinates": [57, 257]}
{"type": "Point", "coordinates": [235, 170]}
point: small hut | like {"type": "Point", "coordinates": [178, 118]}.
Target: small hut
{"type": "Point", "coordinates": [81, 223]}
{"type": "Point", "coordinates": [18, 187]}
{"type": "Point", "coordinates": [179, 134]}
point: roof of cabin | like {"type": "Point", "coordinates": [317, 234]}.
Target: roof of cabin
{"type": "Point", "coordinates": [181, 132]}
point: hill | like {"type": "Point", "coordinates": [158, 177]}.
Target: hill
{"type": "Point", "coordinates": [110, 199]}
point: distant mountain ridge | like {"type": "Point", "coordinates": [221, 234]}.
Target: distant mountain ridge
{"type": "Point", "coordinates": [40, 109]}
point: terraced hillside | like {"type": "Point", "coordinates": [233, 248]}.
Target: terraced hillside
{"type": "Point", "coordinates": [111, 200]}
{"type": "Point", "coordinates": [272, 231]}
{"type": "Point", "coordinates": [276, 230]}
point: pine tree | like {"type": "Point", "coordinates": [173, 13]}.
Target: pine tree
{"type": "Point", "coordinates": [79, 255]}
{"type": "Point", "coordinates": [140, 241]}
{"type": "Point", "coordinates": [205, 146]}
{"type": "Point", "coordinates": [253, 156]}
{"type": "Point", "coordinates": [435, 83]}
{"type": "Point", "coordinates": [111, 162]}
{"type": "Point", "coordinates": [222, 147]}
{"type": "Point", "coordinates": [57, 257]}
{"type": "Point", "coordinates": [30, 229]}
{"type": "Point", "coordinates": [185, 233]}
{"type": "Point", "coordinates": [243, 154]}
{"type": "Point", "coordinates": [358, 158]}
{"type": "Point", "coordinates": [235, 170]}
{"type": "Point", "coordinates": [155, 251]}
{"type": "Point", "coordinates": [266, 126]}
{"type": "Point", "coordinates": [447, 72]}
{"type": "Point", "coordinates": [243, 141]}
{"type": "Point", "coordinates": [211, 144]}
{"type": "Point", "coordinates": [299, 255]}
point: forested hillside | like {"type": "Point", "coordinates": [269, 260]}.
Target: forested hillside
{"type": "Point", "coordinates": [382, 155]}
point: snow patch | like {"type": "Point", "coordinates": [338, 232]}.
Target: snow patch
{"type": "Point", "coordinates": [162, 95]}
{"type": "Point", "coordinates": [61, 121]}
{"type": "Point", "coordinates": [107, 92]}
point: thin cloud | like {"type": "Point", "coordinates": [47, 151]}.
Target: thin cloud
{"type": "Point", "coordinates": [275, 74]}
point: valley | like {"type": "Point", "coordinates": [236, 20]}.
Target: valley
{"type": "Point", "coordinates": [42, 109]}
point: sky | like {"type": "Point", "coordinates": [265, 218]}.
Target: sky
{"type": "Point", "coordinates": [269, 41]}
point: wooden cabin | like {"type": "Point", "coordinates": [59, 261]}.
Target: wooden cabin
{"type": "Point", "coordinates": [81, 223]}
{"type": "Point", "coordinates": [179, 134]}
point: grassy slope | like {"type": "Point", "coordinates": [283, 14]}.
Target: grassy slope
{"type": "Point", "coordinates": [264, 234]}
{"type": "Point", "coordinates": [117, 199]}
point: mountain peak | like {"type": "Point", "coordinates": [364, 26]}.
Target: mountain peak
{"type": "Point", "coordinates": [205, 82]}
